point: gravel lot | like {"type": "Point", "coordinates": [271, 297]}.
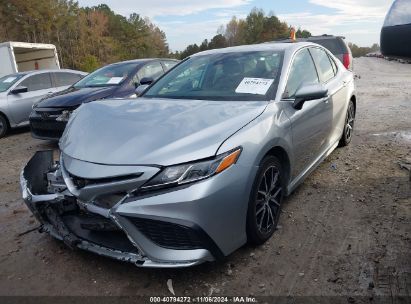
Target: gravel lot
{"type": "Point", "coordinates": [345, 231]}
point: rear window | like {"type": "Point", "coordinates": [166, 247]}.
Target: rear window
{"type": "Point", "coordinates": [335, 46]}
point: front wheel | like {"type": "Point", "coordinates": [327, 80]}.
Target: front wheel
{"type": "Point", "coordinates": [266, 197]}
{"type": "Point", "coordinates": [349, 125]}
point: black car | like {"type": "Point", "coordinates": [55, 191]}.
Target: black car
{"type": "Point", "coordinates": [119, 80]}
{"type": "Point", "coordinates": [396, 31]}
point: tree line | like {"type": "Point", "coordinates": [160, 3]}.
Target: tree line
{"type": "Point", "coordinates": [257, 27]}
{"type": "Point", "coordinates": [86, 37]}
{"type": "Point", "coordinates": [358, 51]}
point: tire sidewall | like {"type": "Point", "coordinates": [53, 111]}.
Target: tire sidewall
{"type": "Point", "coordinates": [3, 132]}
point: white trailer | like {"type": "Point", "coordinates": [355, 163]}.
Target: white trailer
{"type": "Point", "coordinates": [22, 56]}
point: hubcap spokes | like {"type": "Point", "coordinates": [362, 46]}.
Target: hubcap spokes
{"type": "Point", "coordinates": [349, 125]}
{"type": "Point", "coordinates": [1, 126]}
{"type": "Point", "coordinates": [268, 200]}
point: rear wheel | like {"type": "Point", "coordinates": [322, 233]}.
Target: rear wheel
{"type": "Point", "coordinates": [349, 125]}
{"type": "Point", "coordinates": [265, 201]}
{"type": "Point", "coordinates": [4, 126]}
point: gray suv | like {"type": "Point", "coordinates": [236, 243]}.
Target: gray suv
{"type": "Point", "coordinates": [335, 44]}
{"type": "Point", "coordinates": [20, 91]}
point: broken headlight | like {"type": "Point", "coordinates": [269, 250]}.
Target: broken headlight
{"type": "Point", "coordinates": [187, 173]}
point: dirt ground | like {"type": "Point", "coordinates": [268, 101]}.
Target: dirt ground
{"type": "Point", "coordinates": [345, 231]}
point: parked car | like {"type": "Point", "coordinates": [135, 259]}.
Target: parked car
{"type": "Point", "coordinates": [396, 31]}
{"type": "Point", "coordinates": [201, 163]}
{"type": "Point", "coordinates": [119, 80]}
{"type": "Point", "coordinates": [20, 91]}
{"type": "Point", "coordinates": [335, 44]}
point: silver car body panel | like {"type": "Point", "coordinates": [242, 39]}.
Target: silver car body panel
{"type": "Point", "coordinates": [145, 135]}
{"type": "Point", "coordinates": [163, 130]}
{"type": "Point", "coordinates": [17, 108]}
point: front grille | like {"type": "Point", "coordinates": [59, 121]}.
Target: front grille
{"type": "Point", "coordinates": [51, 129]}
{"type": "Point", "coordinates": [168, 235]}
{"type": "Point", "coordinates": [83, 182]}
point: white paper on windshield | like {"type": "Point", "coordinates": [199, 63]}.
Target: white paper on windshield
{"type": "Point", "coordinates": [10, 79]}
{"type": "Point", "coordinates": [258, 86]}
{"type": "Point", "coordinates": [115, 80]}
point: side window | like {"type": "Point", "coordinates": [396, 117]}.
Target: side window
{"type": "Point", "coordinates": [66, 79]}
{"type": "Point", "coordinates": [334, 65]}
{"type": "Point", "coordinates": [168, 64]}
{"type": "Point", "coordinates": [324, 65]}
{"type": "Point", "coordinates": [153, 69]}
{"type": "Point", "coordinates": [37, 82]}
{"type": "Point", "coordinates": [302, 72]}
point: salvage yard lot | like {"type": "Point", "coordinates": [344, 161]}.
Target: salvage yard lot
{"type": "Point", "coordinates": [345, 231]}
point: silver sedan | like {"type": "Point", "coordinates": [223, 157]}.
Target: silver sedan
{"type": "Point", "coordinates": [20, 91]}
{"type": "Point", "coordinates": [201, 163]}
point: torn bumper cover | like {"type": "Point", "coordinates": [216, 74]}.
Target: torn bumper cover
{"type": "Point", "coordinates": [86, 213]}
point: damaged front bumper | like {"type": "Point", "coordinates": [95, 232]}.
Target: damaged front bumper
{"type": "Point", "coordinates": [87, 215]}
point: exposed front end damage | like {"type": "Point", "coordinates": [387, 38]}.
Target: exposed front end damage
{"type": "Point", "coordinates": [82, 210]}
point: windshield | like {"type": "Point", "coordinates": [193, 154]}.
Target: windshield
{"type": "Point", "coordinates": [222, 76]}
{"type": "Point", "coordinates": [112, 75]}
{"type": "Point", "coordinates": [7, 81]}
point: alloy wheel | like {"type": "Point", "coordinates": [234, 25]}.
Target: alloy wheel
{"type": "Point", "coordinates": [349, 124]}
{"type": "Point", "coordinates": [268, 200]}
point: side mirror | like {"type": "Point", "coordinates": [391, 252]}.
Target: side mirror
{"type": "Point", "coordinates": [309, 92]}
{"type": "Point", "coordinates": [19, 89]}
{"type": "Point", "coordinates": [141, 88]}
{"type": "Point", "coordinates": [147, 80]}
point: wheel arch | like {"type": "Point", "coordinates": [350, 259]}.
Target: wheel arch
{"type": "Point", "coordinates": [5, 116]}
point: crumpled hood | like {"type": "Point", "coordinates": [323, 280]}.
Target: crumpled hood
{"type": "Point", "coordinates": [154, 131]}
{"type": "Point", "coordinates": [73, 97]}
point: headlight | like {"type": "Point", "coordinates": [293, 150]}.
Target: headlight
{"type": "Point", "coordinates": [65, 116]}
{"type": "Point", "coordinates": [190, 172]}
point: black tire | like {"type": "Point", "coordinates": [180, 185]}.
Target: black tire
{"type": "Point", "coordinates": [259, 229]}
{"type": "Point", "coordinates": [4, 126]}
{"type": "Point", "coordinates": [348, 125]}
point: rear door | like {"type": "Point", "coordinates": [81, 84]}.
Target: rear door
{"type": "Point", "coordinates": [311, 124]}
{"type": "Point", "coordinates": [337, 91]}
{"type": "Point", "coordinates": [38, 85]}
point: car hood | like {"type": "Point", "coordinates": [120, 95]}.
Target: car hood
{"type": "Point", "coordinates": [154, 131]}
{"type": "Point", "coordinates": [73, 97]}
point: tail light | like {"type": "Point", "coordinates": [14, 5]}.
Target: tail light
{"type": "Point", "coordinates": [346, 60]}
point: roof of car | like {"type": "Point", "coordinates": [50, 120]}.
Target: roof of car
{"type": "Point", "coordinates": [143, 60]}
{"type": "Point", "coordinates": [49, 71]}
{"type": "Point", "coordinates": [268, 46]}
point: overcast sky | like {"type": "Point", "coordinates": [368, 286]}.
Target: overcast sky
{"type": "Point", "coordinates": [191, 21]}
